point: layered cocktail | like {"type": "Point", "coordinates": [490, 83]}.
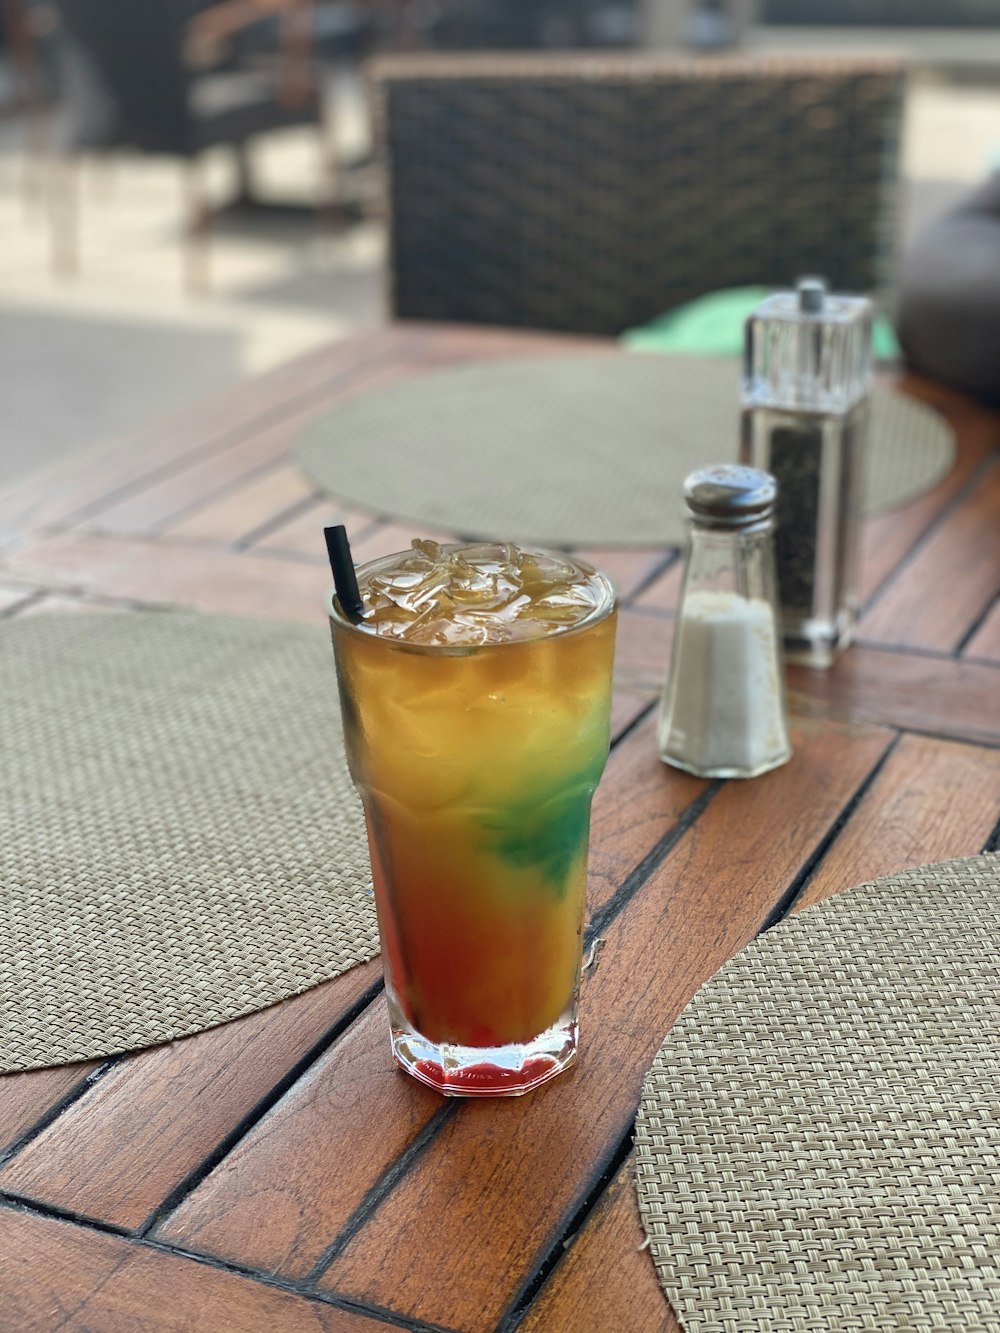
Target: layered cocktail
{"type": "Point", "coordinates": [476, 693]}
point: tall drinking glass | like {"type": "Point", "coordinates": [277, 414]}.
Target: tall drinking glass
{"type": "Point", "coordinates": [476, 698]}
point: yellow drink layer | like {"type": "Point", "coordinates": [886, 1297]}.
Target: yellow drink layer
{"type": "Point", "coordinates": [476, 700]}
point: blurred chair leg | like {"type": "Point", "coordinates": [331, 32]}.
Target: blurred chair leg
{"type": "Point", "coordinates": [37, 155]}
{"type": "Point", "coordinates": [197, 230]}
{"type": "Point", "coordinates": [28, 98]}
{"type": "Point", "coordinates": [328, 212]}
{"type": "Point", "coordinates": [64, 214]}
{"type": "Point", "coordinates": [244, 173]}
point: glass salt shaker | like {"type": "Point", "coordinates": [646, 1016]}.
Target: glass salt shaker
{"type": "Point", "coordinates": [723, 712]}
{"type": "Point", "coordinates": [805, 416]}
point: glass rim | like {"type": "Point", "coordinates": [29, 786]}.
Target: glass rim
{"type": "Point", "coordinates": [599, 613]}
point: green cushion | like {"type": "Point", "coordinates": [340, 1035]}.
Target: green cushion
{"type": "Point", "coordinates": [712, 325]}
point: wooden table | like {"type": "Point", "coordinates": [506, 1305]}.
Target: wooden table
{"type": "Point", "coordinates": [277, 1173]}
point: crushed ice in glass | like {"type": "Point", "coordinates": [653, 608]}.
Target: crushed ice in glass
{"type": "Point", "coordinates": [484, 593]}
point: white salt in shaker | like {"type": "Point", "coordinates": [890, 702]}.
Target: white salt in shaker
{"type": "Point", "coordinates": [723, 711]}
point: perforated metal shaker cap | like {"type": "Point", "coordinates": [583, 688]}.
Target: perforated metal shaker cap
{"type": "Point", "coordinates": [726, 495]}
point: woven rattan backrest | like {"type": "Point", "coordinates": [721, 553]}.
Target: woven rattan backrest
{"type": "Point", "coordinates": [590, 193]}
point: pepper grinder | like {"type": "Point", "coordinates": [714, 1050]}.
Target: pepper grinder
{"type": "Point", "coordinates": [723, 709]}
{"type": "Point", "coordinates": [805, 420]}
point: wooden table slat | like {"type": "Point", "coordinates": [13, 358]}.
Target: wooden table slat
{"type": "Point", "coordinates": [232, 518]}
{"type": "Point", "coordinates": [297, 536]}
{"type": "Point", "coordinates": [26, 1098]}
{"type": "Point", "coordinates": [945, 586]}
{"type": "Point", "coordinates": [663, 593]}
{"type": "Point", "coordinates": [606, 1280]}
{"type": "Point", "coordinates": [642, 651]}
{"type": "Point", "coordinates": [387, 538]}
{"type": "Point", "coordinates": [628, 569]}
{"type": "Point", "coordinates": [939, 696]}
{"type": "Point", "coordinates": [888, 535]}
{"type": "Point", "coordinates": [166, 573]}
{"type": "Point", "coordinates": [282, 1195]}
{"type": "Point", "coordinates": [166, 499]}
{"type": "Point", "coordinates": [626, 709]}
{"type": "Point", "coordinates": [56, 1275]}
{"type": "Point", "coordinates": [120, 1150]}
{"type": "Point", "coordinates": [933, 800]}
{"type": "Point", "coordinates": [985, 642]}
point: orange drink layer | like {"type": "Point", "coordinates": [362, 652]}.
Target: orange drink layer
{"type": "Point", "coordinates": [476, 700]}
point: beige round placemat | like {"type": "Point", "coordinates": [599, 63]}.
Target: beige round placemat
{"type": "Point", "coordinates": [180, 842]}
{"type": "Point", "coordinates": [584, 450]}
{"type": "Point", "coordinates": [818, 1144]}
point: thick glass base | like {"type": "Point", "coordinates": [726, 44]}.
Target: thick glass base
{"type": "Point", "coordinates": [816, 640]}
{"type": "Point", "coordinates": [485, 1071]}
{"type": "Point", "coordinates": [762, 765]}
{"type": "Point", "coordinates": [801, 650]}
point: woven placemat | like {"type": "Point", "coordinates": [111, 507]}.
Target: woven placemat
{"type": "Point", "coordinates": [818, 1144]}
{"type": "Point", "coordinates": [180, 842]}
{"type": "Point", "coordinates": [584, 450]}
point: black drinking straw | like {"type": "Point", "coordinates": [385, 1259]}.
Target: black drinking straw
{"type": "Point", "coordinates": [344, 578]}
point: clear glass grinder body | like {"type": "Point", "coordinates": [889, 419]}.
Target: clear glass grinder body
{"type": "Point", "coordinates": [805, 420]}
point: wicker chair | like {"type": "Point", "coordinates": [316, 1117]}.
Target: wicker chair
{"type": "Point", "coordinates": [590, 193]}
